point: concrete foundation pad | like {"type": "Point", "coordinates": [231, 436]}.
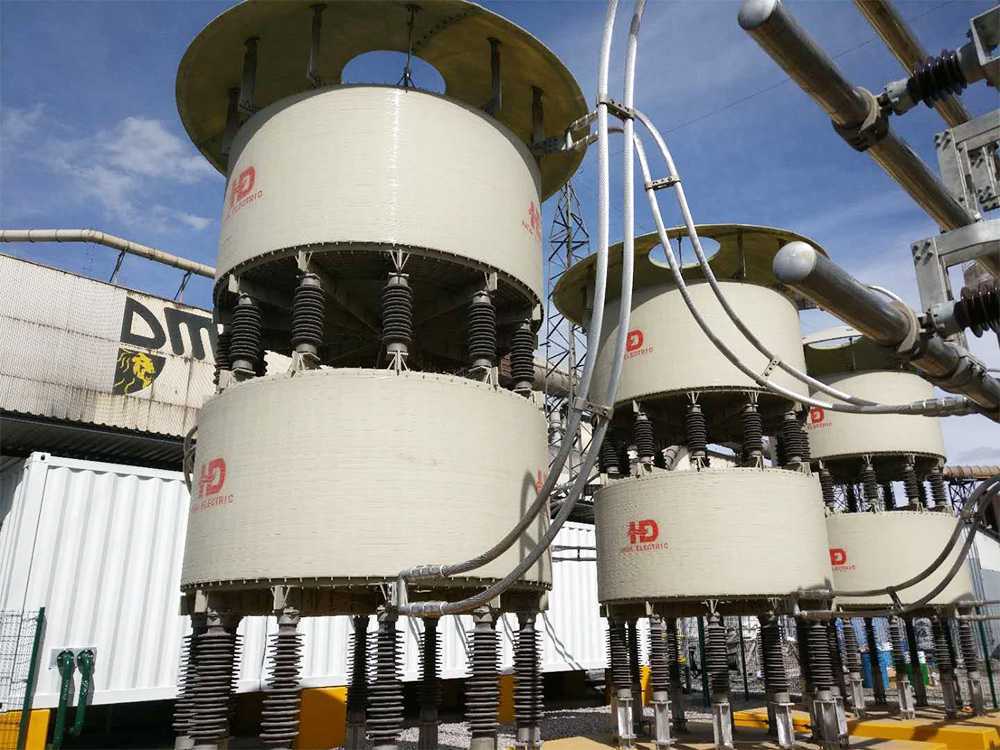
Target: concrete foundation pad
{"type": "Point", "coordinates": [756, 718]}
{"type": "Point", "coordinates": [964, 733]}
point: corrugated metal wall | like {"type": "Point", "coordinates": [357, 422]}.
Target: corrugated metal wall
{"type": "Point", "coordinates": [100, 546]}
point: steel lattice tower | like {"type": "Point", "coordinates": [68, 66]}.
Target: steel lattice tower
{"type": "Point", "coordinates": [565, 342]}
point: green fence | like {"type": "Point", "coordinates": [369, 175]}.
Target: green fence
{"type": "Point", "coordinates": [20, 643]}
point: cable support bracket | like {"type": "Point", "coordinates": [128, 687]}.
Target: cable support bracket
{"type": "Point", "coordinates": [663, 182]}
{"type": "Point", "coordinates": [602, 411]}
{"type": "Point", "coordinates": [863, 135]}
{"type": "Point", "coordinates": [618, 110]}
{"type": "Point", "coordinates": [770, 367]}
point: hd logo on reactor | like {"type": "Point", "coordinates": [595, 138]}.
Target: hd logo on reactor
{"type": "Point", "coordinates": [643, 536]}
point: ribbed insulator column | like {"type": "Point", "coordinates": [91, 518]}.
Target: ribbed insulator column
{"type": "Point", "coordinates": [869, 484]}
{"type": "Point", "coordinates": [898, 645]}
{"type": "Point", "coordinates": [753, 435]}
{"type": "Point", "coordinates": [621, 677]}
{"type": "Point", "coordinates": [852, 655]}
{"type": "Point", "coordinates": [357, 691]}
{"type": "Point", "coordinates": [481, 333]}
{"type": "Point", "coordinates": [279, 716]}
{"type": "Point", "coordinates": [222, 360]}
{"type": "Point", "coordinates": [717, 658]}
{"type": "Point", "coordinates": [659, 660]}
{"type": "Point", "coordinates": [385, 696]}
{"type": "Point", "coordinates": [529, 695]}
{"type": "Point", "coordinates": [919, 689]}
{"type": "Point", "coordinates": [942, 654]}
{"type": "Point", "coordinates": [793, 441]}
{"type": "Point", "coordinates": [430, 685]}
{"type": "Point", "coordinates": [186, 676]}
{"type": "Point", "coordinates": [635, 670]}
{"type": "Point", "coordinates": [246, 341]}
{"type": "Point", "coordinates": [608, 460]}
{"type": "Point", "coordinates": [836, 658]}
{"type": "Point", "coordinates": [967, 644]}
{"type": "Point", "coordinates": [482, 690]}
{"type": "Point", "coordinates": [805, 665]}
{"type": "Point", "coordinates": [826, 487]}
{"type": "Point", "coordinates": [773, 656]}
{"type": "Point", "coordinates": [696, 432]}
{"type": "Point", "coordinates": [911, 486]}
{"type": "Point", "coordinates": [676, 682]}
{"type": "Point", "coordinates": [214, 656]}
{"type": "Point", "coordinates": [820, 666]}
{"type": "Point", "coordinates": [522, 357]}
{"type": "Point", "coordinates": [939, 493]}
{"type": "Point", "coordinates": [308, 315]}
{"type": "Point", "coordinates": [888, 497]}
{"type": "Point", "coordinates": [644, 438]}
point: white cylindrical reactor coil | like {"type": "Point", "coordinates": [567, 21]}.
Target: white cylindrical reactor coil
{"type": "Point", "coordinates": [841, 434]}
{"type": "Point", "coordinates": [369, 167]}
{"type": "Point", "coordinates": [346, 477]}
{"type": "Point", "coordinates": [715, 533]}
{"type": "Point", "coordinates": [873, 550]}
{"type": "Point", "coordinates": [667, 352]}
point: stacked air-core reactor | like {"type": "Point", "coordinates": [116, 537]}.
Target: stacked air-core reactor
{"type": "Point", "coordinates": [743, 534]}
{"type": "Point", "coordinates": [388, 239]}
{"type": "Point", "coordinates": [875, 540]}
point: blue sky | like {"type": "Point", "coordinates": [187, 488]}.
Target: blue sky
{"type": "Point", "coordinates": [91, 137]}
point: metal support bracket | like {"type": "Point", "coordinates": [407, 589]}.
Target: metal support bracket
{"type": "Point", "coordinates": [865, 134]}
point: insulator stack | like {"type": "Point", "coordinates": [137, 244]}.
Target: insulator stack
{"type": "Point", "coordinates": [215, 653]}
{"type": "Point", "coordinates": [869, 484]}
{"type": "Point", "coordinates": [878, 684]}
{"type": "Point", "coordinates": [696, 430]}
{"type": "Point", "coordinates": [186, 675]}
{"type": "Point", "coordinates": [967, 644]}
{"type": "Point", "coordinates": [385, 696]}
{"type": "Point", "coordinates": [805, 664]}
{"type": "Point", "coordinates": [222, 360]}
{"type": "Point", "coordinates": [624, 457]}
{"type": "Point", "coordinates": [529, 695]}
{"type": "Point", "coordinates": [753, 435]}
{"type": "Point", "coordinates": [430, 667]}
{"type": "Point", "coordinates": [634, 667]}
{"type": "Point", "coordinates": [608, 459]}
{"type": "Point", "coordinates": [939, 493]}
{"type": "Point", "coordinates": [922, 493]}
{"type": "Point", "coordinates": [942, 653]}
{"type": "Point", "coordinates": [673, 652]}
{"type": "Point", "coordinates": [911, 486]}
{"type": "Point", "coordinates": [852, 655]}
{"type": "Point", "coordinates": [645, 439]}
{"type": "Point", "coordinates": [308, 313]}
{"type": "Point", "coordinates": [717, 657]}
{"type": "Point", "coordinates": [979, 309]}
{"type": "Point", "coordinates": [482, 692]}
{"type": "Point", "coordinates": [836, 657]}
{"type": "Point", "coordinates": [793, 441]}
{"type": "Point", "coordinates": [659, 659]}
{"type": "Point", "coordinates": [279, 716]}
{"type": "Point", "coordinates": [898, 645]}
{"type": "Point", "coordinates": [820, 666]}
{"type": "Point", "coordinates": [618, 655]}
{"type": "Point", "coordinates": [936, 78]}
{"type": "Point", "coordinates": [888, 497]}
{"type": "Point", "coordinates": [773, 655]}
{"type": "Point", "coordinates": [357, 691]}
{"type": "Point", "coordinates": [522, 357]}
{"type": "Point", "coordinates": [826, 487]}
{"type": "Point", "coordinates": [397, 314]}
{"type": "Point", "coordinates": [481, 334]}
{"type": "Point", "coordinates": [246, 340]}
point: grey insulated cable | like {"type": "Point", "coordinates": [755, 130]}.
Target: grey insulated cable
{"type": "Point", "coordinates": [576, 410]}
{"type": "Point", "coordinates": [566, 509]}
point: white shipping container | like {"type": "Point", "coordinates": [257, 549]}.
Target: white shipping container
{"type": "Point", "coordinates": [100, 546]}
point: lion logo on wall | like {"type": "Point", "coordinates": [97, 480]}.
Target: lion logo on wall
{"type": "Point", "coordinates": [135, 371]}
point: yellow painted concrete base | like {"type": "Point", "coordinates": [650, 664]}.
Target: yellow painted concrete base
{"type": "Point", "coordinates": [956, 734]}
{"type": "Point", "coordinates": [590, 743]}
{"type": "Point", "coordinates": [38, 727]}
{"type": "Point", "coordinates": [322, 718]}
{"type": "Point", "coordinates": [756, 718]}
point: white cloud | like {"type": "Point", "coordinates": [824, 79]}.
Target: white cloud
{"type": "Point", "coordinates": [140, 145]}
{"type": "Point", "coordinates": [112, 167]}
